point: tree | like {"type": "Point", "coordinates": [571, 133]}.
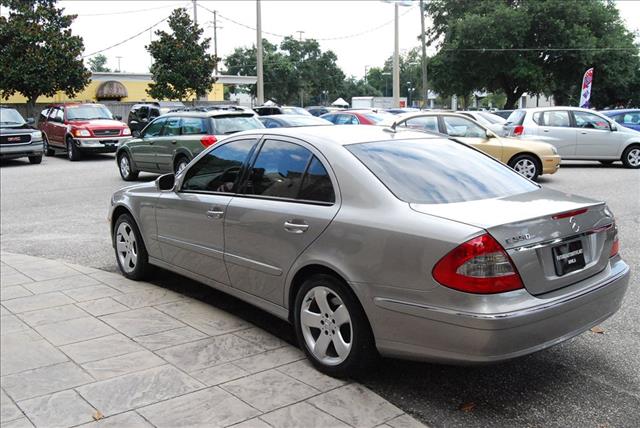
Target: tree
{"type": "Point", "coordinates": [410, 75]}
{"type": "Point", "coordinates": [293, 70]}
{"type": "Point", "coordinates": [534, 46]}
{"type": "Point", "coordinates": [38, 53]}
{"type": "Point", "coordinates": [98, 64]}
{"type": "Point", "coordinates": [182, 68]}
{"type": "Point", "coordinates": [353, 87]}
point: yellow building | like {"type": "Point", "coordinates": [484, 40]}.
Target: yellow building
{"type": "Point", "coordinates": [128, 87]}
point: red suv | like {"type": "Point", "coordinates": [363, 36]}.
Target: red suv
{"type": "Point", "coordinates": [81, 128]}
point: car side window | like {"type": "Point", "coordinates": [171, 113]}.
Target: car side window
{"type": "Point", "coordinates": [171, 127]}
{"type": "Point", "coordinates": [270, 123]}
{"type": "Point", "coordinates": [344, 119]}
{"type": "Point", "coordinates": [316, 184]}
{"type": "Point", "coordinates": [590, 121]}
{"type": "Point", "coordinates": [425, 123]}
{"type": "Point", "coordinates": [631, 119]}
{"type": "Point", "coordinates": [193, 126]}
{"type": "Point", "coordinates": [556, 118]}
{"type": "Point", "coordinates": [57, 113]}
{"type": "Point", "coordinates": [154, 128]}
{"type": "Point", "coordinates": [278, 170]}
{"type": "Point", "coordinates": [537, 118]}
{"type": "Point", "coordinates": [143, 112]}
{"type": "Point", "coordinates": [43, 114]}
{"type": "Point", "coordinates": [461, 127]}
{"type": "Point", "coordinates": [331, 118]}
{"type": "Point", "coordinates": [219, 169]}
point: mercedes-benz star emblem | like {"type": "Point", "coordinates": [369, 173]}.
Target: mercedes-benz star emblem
{"type": "Point", "coordinates": [574, 225]}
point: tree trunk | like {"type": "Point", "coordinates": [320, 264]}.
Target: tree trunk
{"type": "Point", "coordinates": [31, 106]}
{"type": "Point", "coordinates": [512, 99]}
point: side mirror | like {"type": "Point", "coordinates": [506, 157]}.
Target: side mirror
{"type": "Point", "coordinates": [613, 126]}
{"type": "Point", "coordinates": [31, 121]}
{"type": "Point", "coordinates": [165, 182]}
{"type": "Point", "coordinates": [491, 134]}
{"type": "Point", "coordinates": [117, 117]}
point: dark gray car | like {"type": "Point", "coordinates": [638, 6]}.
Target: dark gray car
{"type": "Point", "coordinates": [370, 240]}
{"type": "Point", "coordinates": [17, 138]}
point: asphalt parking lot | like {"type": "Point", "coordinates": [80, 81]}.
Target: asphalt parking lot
{"type": "Point", "coordinates": [58, 210]}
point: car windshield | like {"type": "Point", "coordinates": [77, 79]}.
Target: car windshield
{"type": "Point", "coordinates": [438, 171]}
{"type": "Point", "coordinates": [293, 121]}
{"type": "Point", "coordinates": [88, 112]}
{"type": "Point", "coordinates": [224, 125]}
{"type": "Point", "coordinates": [295, 110]}
{"type": "Point", "coordinates": [9, 116]}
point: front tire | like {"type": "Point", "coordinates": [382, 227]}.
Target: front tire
{"type": "Point", "coordinates": [72, 151]}
{"type": "Point", "coordinates": [332, 327]}
{"type": "Point", "coordinates": [131, 254]}
{"type": "Point", "coordinates": [631, 157]}
{"type": "Point", "coordinates": [126, 168]}
{"type": "Point", "coordinates": [527, 166]}
{"type": "Point", "coordinates": [35, 159]}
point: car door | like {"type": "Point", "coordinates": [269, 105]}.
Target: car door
{"type": "Point", "coordinates": [191, 220]}
{"type": "Point", "coordinates": [287, 201]}
{"type": "Point", "coordinates": [473, 134]}
{"type": "Point", "coordinates": [554, 126]}
{"type": "Point", "coordinates": [57, 127]}
{"type": "Point", "coordinates": [143, 150]}
{"type": "Point", "coordinates": [594, 137]}
{"type": "Point", "coordinates": [166, 143]}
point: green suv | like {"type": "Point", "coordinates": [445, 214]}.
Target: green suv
{"type": "Point", "coordinates": [170, 142]}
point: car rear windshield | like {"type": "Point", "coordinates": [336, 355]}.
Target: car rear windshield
{"type": "Point", "coordinates": [374, 117]}
{"type": "Point", "coordinates": [224, 125]}
{"type": "Point", "coordinates": [516, 117]}
{"type": "Point", "coordinates": [438, 171]}
{"type": "Point", "coordinates": [491, 118]}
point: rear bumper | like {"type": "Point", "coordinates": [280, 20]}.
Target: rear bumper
{"type": "Point", "coordinates": [550, 164]}
{"type": "Point", "coordinates": [13, 151]}
{"type": "Point", "coordinates": [417, 331]}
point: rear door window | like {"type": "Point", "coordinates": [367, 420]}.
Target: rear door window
{"type": "Point", "coordinates": [219, 169]}
{"type": "Point", "coordinates": [438, 171]}
{"type": "Point", "coordinates": [316, 184]}
{"type": "Point", "coordinates": [278, 170]}
{"type": "Point", "coordinates": [556, 118]}
{"type": "Point", "coordinates": [462, 127]}
{"type": "Point", "coordinates": [424, 123]}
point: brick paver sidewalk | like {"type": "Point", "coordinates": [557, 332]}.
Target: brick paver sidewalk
{"type": "Point", "coordinates": [80, 344]}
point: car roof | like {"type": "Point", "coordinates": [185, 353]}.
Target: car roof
{"type": "Point", "coordinates": [211, 113]}
{"type": "Point", "coordinates": [618, 111]}
{"type": "Point", "coordinates": [557, 108]}
{"type": "Point", "coordinates": [74, 104]}
{"type": "Point", "coordinates": [340, 134]}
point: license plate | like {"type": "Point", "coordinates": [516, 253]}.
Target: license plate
{"type": "Point", "coordinates": [109, 142]}
{"type": "Point", "coordinates": [568, 257]}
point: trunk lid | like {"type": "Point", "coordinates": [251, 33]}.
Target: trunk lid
{"type": "Point", "coordinates": [546, 249]}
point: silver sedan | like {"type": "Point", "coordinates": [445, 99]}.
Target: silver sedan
{"type": "Point", "coordinates": [375, 241]}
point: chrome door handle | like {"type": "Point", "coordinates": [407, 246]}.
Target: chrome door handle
{"type": "Point", "coordinates": [295, 227]}
{"type": "Point", "coordinates": [545, 130]}
{"type": "Point", "coordinates": [174, 142]}
{"type": "Point", "coordinates": [215, 213]}
{"type": "Point", "coordinates": [584, 133]}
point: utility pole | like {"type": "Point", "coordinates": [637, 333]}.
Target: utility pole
{"type": "Point", "coordinates": [425, 88]}
{"type": "Point", "coordinates": [300, 33]}
{"type": "Point", "coordinates": [260, 88]}
{"type": "Point", "coordinates": [215, 38]}
{"type": "Point", "coordinates": [396, 59]}
{"type": "Point", "coordinates": [119, 69]}
{"type": "Point", "coordinates": [195, 12]}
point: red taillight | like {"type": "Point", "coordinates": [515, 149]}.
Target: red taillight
{"type": "Point", "coordinates": [615, 248]}
{"type": "Point", "coordinates": [569, 214]}
{"type": "Point", "coordinates": [208, 140]}
{"type": "Point", "coordinates": [518, 130]}
{"type": "Point", "coordinates": [479, 265]}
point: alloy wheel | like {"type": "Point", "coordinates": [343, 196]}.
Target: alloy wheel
{"type": "Point", "coordinates": [125, 168]}
{"type": "Point", "coordinates": [127, 247]}
{"type": "Point", "coordinates": [181, 165]}
{"type": "Point", "coordinates": [525, 167]}
{"type": "Point", "coordinates": [326, 326]}
{"type": "Point", "coordinates": [633, 157]}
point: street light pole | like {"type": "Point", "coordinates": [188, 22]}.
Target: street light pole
{"type": "Point", "coordinates": [425, 88]}
{"type": "Point", "coordinates": [396, 58]}
{"type": "Point", "coordinates": [260, 83]}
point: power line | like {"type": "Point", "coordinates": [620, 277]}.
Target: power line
{"type": "Point", "coordinates": [124, 12]}
{"type": "Point", "coordinates": [347, 36]}
{"type": "Point", "coordinates": [126, 40]}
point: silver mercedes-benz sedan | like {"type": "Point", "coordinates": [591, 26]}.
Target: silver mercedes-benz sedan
{"type": "Point", "coordinates": [370, 240]}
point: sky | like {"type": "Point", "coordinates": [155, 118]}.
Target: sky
{"type": "Point", "coordinates": [360, 32]}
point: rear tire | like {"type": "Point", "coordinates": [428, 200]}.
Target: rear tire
{"type": "Point", "coordinates": [48, 151]}
{"type": "Point", "coordinates": [179, 164]}
{"type": "Point", "coordinates": [631, 157]}
{"type": "Point", "coordinates": [35, 159]}
{"type": "Point", "coordinates": [527, 166]}
{"type": "Point", "coordinates": [332, 328]}
{"type": "Point", "coordinates": [72, 151]}
{"type": "Point", "coordinates": [131, 254]}
{"type": "Point", "coordinates": [126, 168]}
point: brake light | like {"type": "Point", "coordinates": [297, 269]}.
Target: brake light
{"type": "Point", "coordinates": [479, 265]}
{"type": "Point", "coordinates": [208, 140]}
{"type": "Point", "coordinates": [615, 248]}
{"type": "Point", "coordinates": [518, 130]}
{"type": "Point", "coordinates": [569, 214]}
